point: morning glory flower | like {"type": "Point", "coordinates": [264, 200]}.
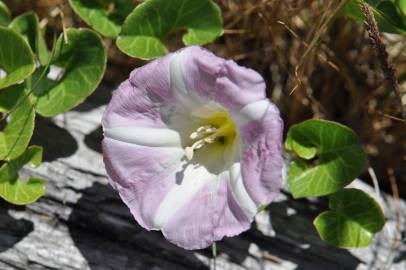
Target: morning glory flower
{"type": "Point", "coordinates": [193, 146]}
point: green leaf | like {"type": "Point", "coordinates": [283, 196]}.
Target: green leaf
{"type": "Point", "coordinates": [392, 15]}
{"type": "Point", "coordinates": [27, 24]}
{"type": "Point", "coordinates": [297, 168]}
{"type": "Point", "coordinates": [16, 57]}
{"type": "Point", "coordinates": [340, 158]}
{"type": "Point", "coordinates": [15, 190]}
{"type": "Point", "coordinates": [83, 61]}
{"type": "Point", "coordinates": [388, 17]}
{"type": "Point", "coordinates": [15, 137]}
{"type": "Point", "coordinates": [401, 5]}
{"type": "Point", "coordinates": [302, 150]}
{"type": "Point", "coordinates": [353, 220]}
{"type": "Point", "coordinates": [9, 97]}
{"type": "Point", "coordinates": [150, 22]}
{"type": "Point", "coordinates": [5, 15]}
{"type": "Point", "coordinates": [105, 16]}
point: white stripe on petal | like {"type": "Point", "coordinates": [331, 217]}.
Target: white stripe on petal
{"type": "Point", "coordinates": [191, 180]}
{"type": "Point", "coordinates": [238, 189]}
{"type": "Point", "coordinates": [251, 112]}
{"type": "Point", "coordinates": [145, 136]}
{"type": "Point", "coordinates": [186, 98]}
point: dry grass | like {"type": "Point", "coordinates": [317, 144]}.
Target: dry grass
{"type": "Point", "coordinates": [316, 64]}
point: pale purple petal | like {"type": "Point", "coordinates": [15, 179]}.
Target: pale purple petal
{"type": "Point", "coordinates": [149, 121]}
{"type": "Point", "coordinates": [209, 216]}
{"type": "Point", "coordinates": [137, 101]}
{"type": "Point", "coordinates": [142, 175]}
{"type": "Point", "coordinates": [262, 160]}
{"type": "Point", "coordinates": [223, 81]}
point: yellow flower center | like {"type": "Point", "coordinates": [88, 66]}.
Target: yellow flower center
{"type": "Point", "coordinates": [218, 128]}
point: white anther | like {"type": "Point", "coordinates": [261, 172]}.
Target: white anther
{"type": "Point", "coordinates": [210, 130]}
{"type": "Point", "coordinates": [202, 128]}
{"type": "Point", "coordinates": [210, 139]}
{"type": "Point", "coordinates": [195, 135]}
{"type": "Point", "coordinates": [200, 133]}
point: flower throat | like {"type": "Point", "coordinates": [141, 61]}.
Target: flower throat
{"type": "Point", "coordinates": [218, 129]}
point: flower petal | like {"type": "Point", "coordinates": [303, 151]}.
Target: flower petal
{"type": "Point", "coordinates": [185, 96]}
{"type": "Point", "coordinates": [255, 111]}
{"type": "Point", "coordinates": [210, 214]}
{"type": "Point", "coordinates": [142, 175]}
{"type": "Point", "coordinates": [237, 184]}
{"type": "Point", "coordinates": [145, 136]}
{"type": "Point", "coordinates": [138, 101]}
{"type": "Point", "coordinates": [261, 157]}
{"type": "Point", "coordinates": [223, 81]}
{"type": "Point", "coordinates": [147, 125]}
{"type": "Point", "coordinates": [210, 210]}
{"type": "Point", "coordinates": [189, 182]}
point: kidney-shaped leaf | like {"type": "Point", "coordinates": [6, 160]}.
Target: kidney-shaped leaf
{"type": "Point", "coordinates": [27, 24]}
{"type": "Point", "coordinates": [105, 16]}
{"type": "Point", "coordinates": [17, 134]}
{"type": "Point", "coordinates": [340, 158]}
{"type": "Point", "coordinates": [16, 58]}
{"type": "Point", "coordinates": [15, 190]}
{"type": "Point", "coordinates": [80, 63]}
{"type": "Point", "coordinates": [153, 20]}
{"type": "Point", "coordinates": [353, 220]}
{"type": "Point", "coordinates": [5, 15]}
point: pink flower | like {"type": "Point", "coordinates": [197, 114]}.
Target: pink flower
{"type": "Point", "coordinates": [193, 146]}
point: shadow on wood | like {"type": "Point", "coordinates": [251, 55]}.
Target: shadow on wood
{"type": "Point", "coordinates": [57, 142]}
{"type": "Point", "coordinates": [12, 230]}
{"type": "Point", "coordinates": [295, 241]}
{"type": "Point", "coordinates": [94, 138]}
{"type": "Point", "coordinates": [101, 224]}
{"type": "Point", "coordinates": [107, 235]}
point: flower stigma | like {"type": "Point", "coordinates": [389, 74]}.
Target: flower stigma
{"type": "Point", "coordinates": [216, 129]}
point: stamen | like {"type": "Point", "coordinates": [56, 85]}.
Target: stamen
{"type": "Point", "coordinates": [194, 135]}
{"type": "Point", "coordinates": [206, 135]}
{"type": "Point", "coordinates": [210, 139]}
{"type": "Point", "coordinates": [202, 131]}
{"type": "Point", "coordinates": [202, 128]}
{"type": "Point", "coordinates": [189, 150]}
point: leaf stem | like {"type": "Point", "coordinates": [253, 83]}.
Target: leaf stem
{"type": "Point", "coordinates": [214, 254]}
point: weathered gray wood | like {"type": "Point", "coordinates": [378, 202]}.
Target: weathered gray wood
{"type": "Point", "coordinates": [82, 224]}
